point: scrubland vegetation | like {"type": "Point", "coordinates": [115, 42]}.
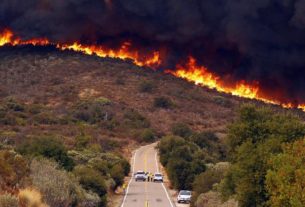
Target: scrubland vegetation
{"type": "Point", "coordinates": [43, 168]}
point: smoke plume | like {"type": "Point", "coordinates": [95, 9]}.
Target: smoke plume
{"type": "Point", "coordinates": [251, 40]}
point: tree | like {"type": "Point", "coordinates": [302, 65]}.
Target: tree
{"type": "Point", "coordinates": [252, 139]}
{"type": "Point", "coordinates": [285, 180]}
{"type": "Point", "coordinates": [182, 161]}
{"type": "Point", "coordinates": [148, 135]}
{"type": "Point", "coordinates": [182, 130]}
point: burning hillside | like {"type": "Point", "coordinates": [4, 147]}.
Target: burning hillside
{"type": "Point", "coordinates": [254, 58]}
{"type": "Point", "coordinates": [190, 70]}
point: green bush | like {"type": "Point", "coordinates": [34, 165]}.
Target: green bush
{"type": "Point", "coordinates": [125, 165]}
{"type": "Point", "coordinates": [182, 130]}
{"type": "Point", "coordinates": [146, 86]}
{"type": "Point", "coordinates": [110, 144]}
{"type": "Point", "coordinates": [91, 180]}
{"type": "Point", "coordinates": [163, 102]}
{"type": "Point", "coordinates": [93, 111]}
{"type": "Point", "coordinates": [82, 141]}
{"type": "Point", "coordinates": [48, 147]}
{"type": "Point", "coordinates": [117, 173]}
{"type": "Point", "coordinates": [206, 180]}
{"type": "Point", "coordinates": [285, 180]}
{"type": "Point", "coordinates": [100, 165]}
{"type": "Point", "coordinates": [45, 118]}
{"type": "Point", "coordinates": [148, 135]}
{"type": "Point", "coordinates": [204, 139]}
{"type": "Point", "coordinates": [134, 119]}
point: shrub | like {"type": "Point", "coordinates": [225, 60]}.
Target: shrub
{"type": "Point", "coordinates": [45, 118]}
{"type": "Point", "coordinates": [117, 173]}
{"type": "Point", "coordinates": [110, 144]}
{"type": "Point", "coordinates": [204, 139]}
{"type": "Point", "coordinates": [163, 102]}
{"type": "Point", "coordinates": [48, 147]}
{"type": "Point", "coordinates": [82, 141]}
{"type": "Point", "coordinates": [93, 111]}
{"type": "Point", "coordinates": [125, 165]}
{"type": "Point", "coordinates": [8, 200]}
{"type": "Point", "coordinates": [134, 119]}
{"type": "Point", "coordinates": [14, 105]}
{"type": "Point", "coordinates": [100, 165]}
{"type": "Point", "coordinates": [148, 135]}
{"type": "Point", "coordinates": [146, 86]}
{"type": "Point", "coordinates": [182, 130]}
{"type": "Point", "coordinates": [285, 181]}
{"type": "Point", "coordinates": [206, 180]}
{"type": "Point", "coordinates": [91, 180]}
{"type": "Point", "coordinates": [14, 169]}
{"type": "Point", "coordinates": [88, 199]}
{"type": "Point", "coordinates": [222, 101]}
{"type": "Point", "coordinates": [55, 185]}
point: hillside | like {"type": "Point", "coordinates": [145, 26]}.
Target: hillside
{"type": "Point", "coordinates": [59, 80]}
{"type": "Point", "coordinates": [88, 113]}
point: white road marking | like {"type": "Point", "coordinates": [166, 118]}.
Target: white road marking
{"type": "Point", "coordinates": [133, 167]}
{"type": "Point", "coordinates": [170, 201]}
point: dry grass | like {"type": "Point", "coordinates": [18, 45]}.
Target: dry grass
{"type": "Point", "coordinates": [30, 198]}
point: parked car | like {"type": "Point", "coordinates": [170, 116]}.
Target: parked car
{"type": "Point", "coordinates": [140, 175]}
{"type": "Point", "coordinates": [158, 177]}
{"type": "Point", "coordinates": [184, 196]}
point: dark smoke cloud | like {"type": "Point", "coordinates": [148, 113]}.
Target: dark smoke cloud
{"type": "Point", "coordinates": [261, 40]}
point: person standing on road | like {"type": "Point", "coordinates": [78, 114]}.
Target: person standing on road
{"type": "Point", "coordinates": [124, 188]}
{"type": "Point", "coordinates": [148, 176]}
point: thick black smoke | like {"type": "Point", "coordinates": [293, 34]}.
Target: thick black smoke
{"type": "Point", "coordinates": [261, 40]}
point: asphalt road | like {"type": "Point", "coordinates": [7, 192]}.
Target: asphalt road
{"type": "Point", "coordinates": [146, 194]}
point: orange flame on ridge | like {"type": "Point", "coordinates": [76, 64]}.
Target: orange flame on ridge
{"type": "Point", "coordinates": [189, 71]}
{"type": "Point", "coordinates": [201, 76]}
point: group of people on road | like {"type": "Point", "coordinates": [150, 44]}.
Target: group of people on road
{"type": "Point", "coordinates": [150, 176]}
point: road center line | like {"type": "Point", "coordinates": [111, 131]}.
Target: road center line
{"type": "Point", "coordinates": [157, 164]}
{"type": "Point", "coordinates": [133, 167]}
{"type": "Point", "coordinates": [145, 169]}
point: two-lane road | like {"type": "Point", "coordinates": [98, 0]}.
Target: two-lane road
{"type": "Point", "coordinates": [146, 194]}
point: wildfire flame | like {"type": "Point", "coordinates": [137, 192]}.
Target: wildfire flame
{"type": "Point", "coordinates": [190, 71]}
